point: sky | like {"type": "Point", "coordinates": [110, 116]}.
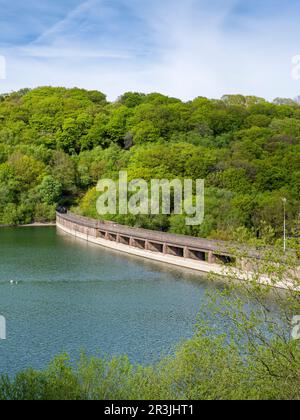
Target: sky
{"type": "Point", "coordinates": [182, 48]}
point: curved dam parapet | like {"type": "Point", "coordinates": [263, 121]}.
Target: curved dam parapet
{"type": "Point", "coordinates": [188, 252]}
{"type": "Point", "coordinates": [202, 255]}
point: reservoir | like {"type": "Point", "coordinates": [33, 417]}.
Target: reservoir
{"type": "Point", "coordinates": [60, 294]}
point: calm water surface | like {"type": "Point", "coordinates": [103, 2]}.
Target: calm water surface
{"type": "Point", "coordinates": [60, 294]}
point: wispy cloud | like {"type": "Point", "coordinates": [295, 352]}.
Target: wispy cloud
{"type": "Point", "coordinates": [62, 25]}
{"type": "Point", "coordinates": [93, 29]}
{"type": "Point", "coordinates": [185, 49]}
{"type": "Point", "coordinates": [45, 52]}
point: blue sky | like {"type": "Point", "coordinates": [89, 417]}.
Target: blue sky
{"type": "Point", "coordinates": [180, 48]}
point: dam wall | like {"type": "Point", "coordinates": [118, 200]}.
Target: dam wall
{"type": "Point", "coordinates": [202, 255]}
{"type": "Point", "coordinates": [188, 252]}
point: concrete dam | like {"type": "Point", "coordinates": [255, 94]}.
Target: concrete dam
{"type": "Point", "coordinates": [188, 252]}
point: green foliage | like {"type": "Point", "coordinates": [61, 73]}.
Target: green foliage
{"type": "Point", "coordinates": [203, 368]}
{"type": "Point", "coordinates": [50, 190]}
{"type": "Point", "coordinates": [56, 143]}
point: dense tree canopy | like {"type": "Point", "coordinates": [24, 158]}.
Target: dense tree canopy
{"type": "Point", "coordinates": [56, 143]}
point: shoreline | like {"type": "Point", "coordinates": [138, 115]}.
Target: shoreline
{"type": "Point", "coordinates": [36, 224]}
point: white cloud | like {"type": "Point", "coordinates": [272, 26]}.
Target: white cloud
{"type": "Point", "coordinates": [67, 52]}
{"type": "Point", "coordinates": [183, 49]}
{"type": "Point", "coordinates": [62, 25]}
{"type": "Point", "coordinates": [208, 58]}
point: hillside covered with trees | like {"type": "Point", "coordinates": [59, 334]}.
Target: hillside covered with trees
{"type": "Point", "coordinates": [56, 143]}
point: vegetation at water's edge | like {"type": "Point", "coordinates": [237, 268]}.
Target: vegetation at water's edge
{"type": "Point", "coordinates": [203, 368]}
{"type": "Point", "coordinates": [55, 144]}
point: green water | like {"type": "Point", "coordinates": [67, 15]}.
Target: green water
{"type": "Point", "coordinates": [60, 294]}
